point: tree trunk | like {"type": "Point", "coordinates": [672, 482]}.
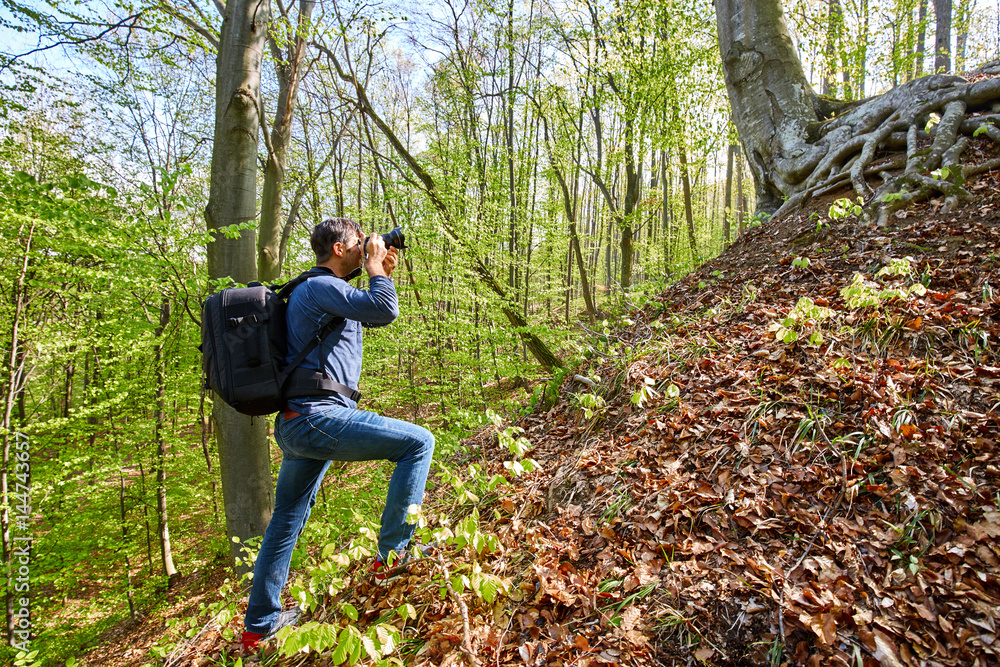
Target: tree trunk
{"type": "Point", "coordinates": [814, 158]}
{"type": "Point", "coordinates": [942, 36]}
{"type": "Point", "coordinates": [244, 458]}
{"type": "Point", "coordinates": [288, 69]}
{"type": "Point", "coordinates": [834, 27]}
{"type": "Point", "coordinates": [728, 206]}
{"type": "Point", "coordinates": [920, 50]}
{"type": "Point", "coordinates": [12, 386]}
{"type": "Point", "coordinates": [633, 186]}
{"type": "Point", "coordinates": [166, 553]}
{"type": "Point", "coordinates": [771, 98]}
{"type": "Point", "coordinates": [688, 204]}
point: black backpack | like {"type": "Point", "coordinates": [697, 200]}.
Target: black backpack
{"type": "Point", "coordinates": [244, 343]}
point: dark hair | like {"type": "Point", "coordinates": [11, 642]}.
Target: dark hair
{"type": "Point", "coordinates": [330, 231]}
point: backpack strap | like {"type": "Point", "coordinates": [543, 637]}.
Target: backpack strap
{"type": "Point", "coordinates": [285, 291]}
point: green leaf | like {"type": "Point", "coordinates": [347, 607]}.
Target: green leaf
{"type": "Point", "coordinates": [407, 611]}
{"type": "Point", "coordinates": [340, 654]}
{"type": "Point", "coordinates": [356, 647]}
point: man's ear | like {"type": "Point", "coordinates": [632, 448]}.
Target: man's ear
{"type": "Point", "coordinates": [337, 249]}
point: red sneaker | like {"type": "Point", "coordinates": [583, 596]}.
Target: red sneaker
{"type": "Point", "coordinates": [250, 640]}
{"type": "Point", "coordinates": [380, 570]}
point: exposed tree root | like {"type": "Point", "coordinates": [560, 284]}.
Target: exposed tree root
{"type": "Point", "coordinates": [939, 110]}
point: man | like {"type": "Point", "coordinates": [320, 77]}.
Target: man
{"type": "Point", "coordinates": [327, 426]}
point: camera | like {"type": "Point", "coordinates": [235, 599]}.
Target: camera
{"type": "Point", "coordinates": [393, 239]}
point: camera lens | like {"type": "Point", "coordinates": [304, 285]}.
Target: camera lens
{"type": "Point", "coordinates": [395, 239]}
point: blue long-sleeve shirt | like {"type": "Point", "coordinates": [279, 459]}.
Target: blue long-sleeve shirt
{"type": "Point", "coordinates": [311, 306]}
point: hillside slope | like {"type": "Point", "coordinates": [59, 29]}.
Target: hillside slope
{"type": "Point", "coordinates": [824, 502]}
{"type": "Point", "coordinates": [743, 477]}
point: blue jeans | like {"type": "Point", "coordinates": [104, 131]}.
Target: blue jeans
{"type": "Point", "coordinates": [308, 444]}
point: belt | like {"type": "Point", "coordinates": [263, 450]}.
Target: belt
{"type": "Point", "coordinates": [291, 414]}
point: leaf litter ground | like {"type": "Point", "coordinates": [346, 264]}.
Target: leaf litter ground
{"type": "Point", "coordinates": [743, 498]}
{"type": "Point", "coordinates": [825, 503]}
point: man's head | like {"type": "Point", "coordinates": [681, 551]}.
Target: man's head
{"type": "Point", "coordinates": [332, 231]}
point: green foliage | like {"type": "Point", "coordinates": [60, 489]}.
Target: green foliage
{"type": "Point", "coordinates": [757, 220]}
{"type": "Point", "coordinates": [863, 293]}
{"type": "Point", "coordinates": [546, 394]}
{"type": "Point", "coordinates": [349, 645]}
{"type": "Point", "coordinates": [844, 208]}
{"type": "Point", "coordinates": [592, 405]}
{"type": "Point", "coordinates": [644, 393]}
{"type": "Point", "coordinates": [519, 446]}
{"type": "Point", "coordinates": [805, 315]}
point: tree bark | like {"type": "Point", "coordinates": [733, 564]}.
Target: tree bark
{"type": "Point", "coordinates": [771, 99]}
{"type": "Point", "coordinates": [728, 206]}
{"type": "Point", "coordinates": [792, 156]}
{"type": "Point", "coordinates": [166, 553]}
{"type": "Point", "coordinates": [244, 458]}
{"type": "Point", "coordinates": [942, 36]}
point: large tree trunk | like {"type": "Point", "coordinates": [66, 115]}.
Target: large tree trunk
{"type": "Point", "coordinates": [794, 154]}
{"type": "Point", "coordinates": [771, 98]}
{"type": "Point", "coordinates": [243, 447]}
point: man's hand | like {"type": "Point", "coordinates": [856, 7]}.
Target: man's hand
{"type": "Point", "coordinates": [391, 261]}
{"type": "Point", "coordinates": [376, 256]}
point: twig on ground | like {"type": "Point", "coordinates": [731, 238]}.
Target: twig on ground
{"type": "Point", "coordinates": [466, 646]}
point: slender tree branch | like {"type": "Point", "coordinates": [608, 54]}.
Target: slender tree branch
{"type": "Point", "coordinates": [175, 11]}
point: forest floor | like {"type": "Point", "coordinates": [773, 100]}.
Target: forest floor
{"type": "Point", "coordinates": [763, 479]}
